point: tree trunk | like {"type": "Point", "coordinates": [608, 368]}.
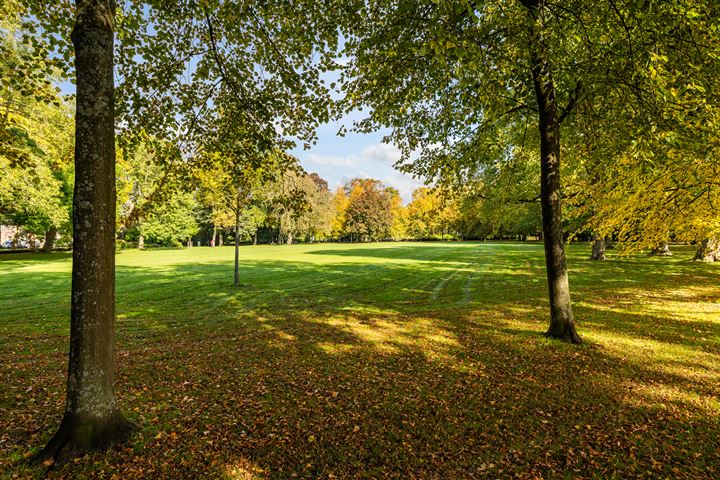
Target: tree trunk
{"type": "Point", "coordinates": [289, 238]}
{"type": "Point", "coordinates": [662, 250]}
{"type": "Point", "coordinates": [598, 248]}
{"type": "Point", "coordinates": [50, 240]}
{"type": "Point", "coordinates": [220, 238]}
{"type": "Point", "coordinates": [562, 325]}
{"type": "Point", "coordinates": [255, 235]}
{"type": "Point", "coordinates": [708, 250]}
{"type": "Point", "coordinates": [92, 418]}
{"type": "Point", "coordinates": [214, 234]}
{"type": "Point", "coordinates": [141, 242]}
{"type": "Point", "coordinates": [237, 247]}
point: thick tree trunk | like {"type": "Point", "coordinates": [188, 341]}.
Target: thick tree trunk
{"type": "Point", "coordinates": [214, 234]}
{"type": "Point", "coordinates": [32, 243]}
{"type": "Point", "coordinates": [237, 247]}
{"type": "Point", "coordinates": [92, 418]}
{"type": "Point", "coordinates": [562, 325]}
{"type": "Point", "coordinates": [141, 242]}
{"type": "Point", "coordinates": [598, 249]}
{"type": "Point", "coordinates": [50, 235]}
{"type": "Point", "coordinates": [255, 235]}
{"type": "Point", "coordinates": [708, 250]}
{"type": "Point", "coordinates": [289, 238]}
{"type": "Point", "coordinates": [220, 239]}
{"type": "Point", "coordinates": [662, 250]}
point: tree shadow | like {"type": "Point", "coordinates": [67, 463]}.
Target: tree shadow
{"type": "Point", "coordinates": [388, 370]}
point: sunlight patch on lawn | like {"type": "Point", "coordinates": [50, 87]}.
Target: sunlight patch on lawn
{"type": "Point", "coordinates": [670, 363]}
{"type": "Point", "coordinates": [331, 348]}
{"type": "Point", "coordinates": [664, 396]}
{"type": "Point", "coordinates": [690, 311]}
{"type": "Point", "coordinates": [395, 334]}
{"type": "Point", "coordinates": [244, 469]}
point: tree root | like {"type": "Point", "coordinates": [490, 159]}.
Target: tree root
{"type": "Point", "coordinates": [568, 334]}
{"type": "Point", "coordinates": [80, 435]}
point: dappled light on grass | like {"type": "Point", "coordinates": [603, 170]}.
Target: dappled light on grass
{"type": "Point", "coordinates": [392, 333]}
{"type": "Point", "coordinates": [243, 469]}
{"type": "Point", "coordinates": [677, 399]}
{"type": "Point", "coordinates": [405, 360]}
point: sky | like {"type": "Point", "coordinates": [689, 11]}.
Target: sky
{"type": "Point", "coordinates": [356, 155]}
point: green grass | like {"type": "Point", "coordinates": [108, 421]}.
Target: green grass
{"type": "Point", "coordinates": [401, 360]}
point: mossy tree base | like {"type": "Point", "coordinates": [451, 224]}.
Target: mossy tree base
{"type": "Point", "coordinates": [661, 251]}
{"type": "Point", "coordinates": [79, 435]}
{"type": "Point", "coordinates": [708, 250]}
{"type": "Point", "coordinates": [564, 332]}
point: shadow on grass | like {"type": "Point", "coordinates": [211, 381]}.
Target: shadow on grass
{"type": "Point", "coordinates": [386, 370]}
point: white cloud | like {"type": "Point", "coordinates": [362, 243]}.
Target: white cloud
{"type": "Point", "coordinates": [382, 152]}
{"type": "Point", "coordinates": [375, 161]}
{"type": "Point", "coordinates": [331, 160]}
{"type": "Point", "coordinates": [403, 183]}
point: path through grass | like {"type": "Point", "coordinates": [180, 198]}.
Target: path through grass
{"type": "Point", "coordinates": [402, 360]}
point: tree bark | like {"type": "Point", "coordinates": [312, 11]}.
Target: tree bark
{"type": "Point", "coordinates": [708, 250]}
{"type": "Point", "coordinates": [289, 238]}
{"type": "Point", "coordinates": [237, 246]}
{"type": "Point", "coordinates": [255, 235]}
{"type": "Point", "coordinates": [220, 238]}
{"type": "Point", "coordinates": [662, 250]}
{"type": "Point", "coordinates": [141, 242]}
{"type": "Point", "coordinates": [50, 235]}
{"type": "Point", "coordinates": [562, 324]}
{"type": "Point", "coordinates": [214, 234]}
{"type": "Point", "coordinates": [32, 244]}
{"type": "Point", "coordinates": [598, 248]}
{"type": "Point", "coordinates": [92, 419]}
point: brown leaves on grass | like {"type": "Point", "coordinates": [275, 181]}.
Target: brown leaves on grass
{"type": "Point", "coordinates": [467, 390]}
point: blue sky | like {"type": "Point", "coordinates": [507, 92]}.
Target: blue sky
{"type": "Point", "coordinates": [356, 155]}
{"type": "Point", "coordinates": [340, 159]}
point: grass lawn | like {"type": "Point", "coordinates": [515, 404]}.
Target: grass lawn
{"type": "Point", "coordinates": [403, 360]}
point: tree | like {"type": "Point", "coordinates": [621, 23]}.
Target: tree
{"type": "Point", "coordinates": [708, 250]}
{"type": "Point", "coordinates": [302, 206]}
{"type": "Point", "coordinates": [421, 213]}
{"type": "Point", "coordinates": [173, 221]}
{"type": "Point", "coordinates": [398, 213]}
{"type": "Point", "coordinates": [235, 179]}
{"type": "Point", "coordinates": [26, 84]}
{"type": "Point", "coordinates": [455, 80]}
{"type": "Point", "coordinates": [470, 83]}
{"type": "Point", "coordinates": [341, 202]}
{"type": "Point", "coordinates": [159, 43]}
{"type": "Point", "coordinates": [92, 418]}
{"type": "Point", "coordinates": [369, 214]}
{"type": "Point", "coordinates": [322, 208]}
{"type": "Point", "coordinates": [35, 136]}
{"type": "Point", "coordinates": [144, 184]}
{"type": "Point", "coordinates": [431, 213]}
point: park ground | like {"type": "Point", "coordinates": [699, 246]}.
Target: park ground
{"type": "Point", "coordinates": [385, 360]}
